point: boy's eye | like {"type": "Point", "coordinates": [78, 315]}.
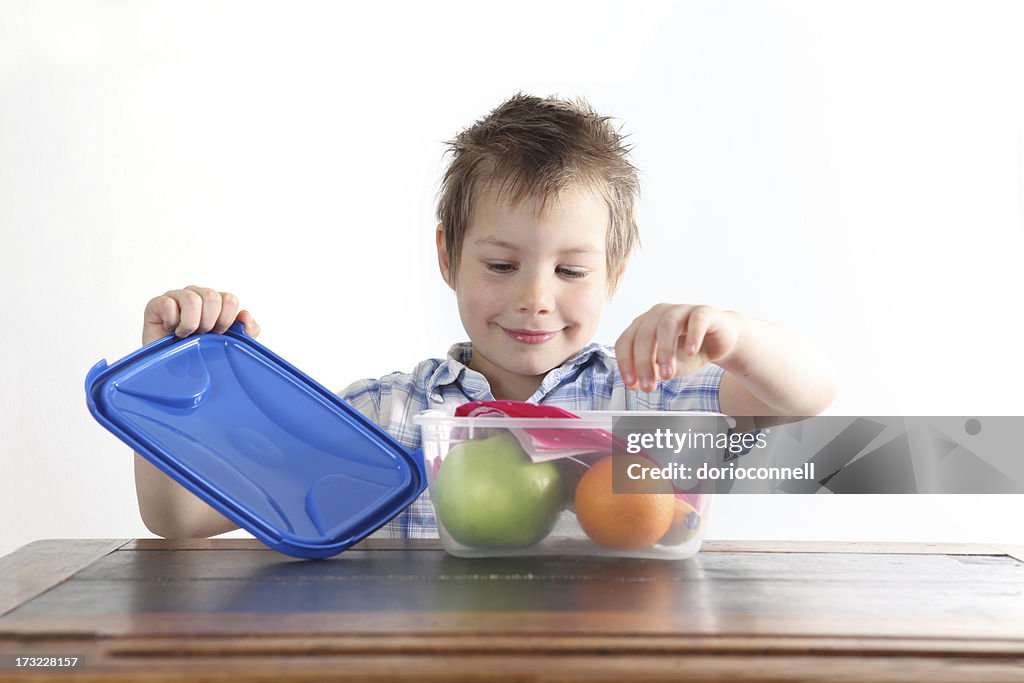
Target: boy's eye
{"type": "Point", "coordinates": [573, 272]}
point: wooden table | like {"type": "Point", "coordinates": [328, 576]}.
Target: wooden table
{"type": "Point", "coordinates": [232, 610]}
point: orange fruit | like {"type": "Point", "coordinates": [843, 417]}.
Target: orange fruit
{"type": "Point", "coordinates": [623, 521]}
{"type": "Point", "coordinates": [686, 523]}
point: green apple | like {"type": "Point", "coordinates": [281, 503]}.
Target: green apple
{"type": "Point", "coordinates": [488, 493]}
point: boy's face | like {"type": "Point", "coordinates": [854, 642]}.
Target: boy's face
{"type": "Point", "coordinates": [531, 288]}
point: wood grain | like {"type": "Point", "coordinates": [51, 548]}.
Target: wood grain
{"type": "Point", "coordinates": [709, 546]}
{"type": "Point", "coordinates": [38, 566]}
{"type": "Point", "coordinates": [231, 609]}
{"type": "Point", "coordinates": [253, 544]}
{"type": "Point", "coordinates": [849, 547]}
{"type": "Point", "coordinates": [610, 667]}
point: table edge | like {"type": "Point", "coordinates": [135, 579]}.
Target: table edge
{"type": "Point", "coordinates": [709, 546]}
{"type": "Point", "coordinates": [40, 565]}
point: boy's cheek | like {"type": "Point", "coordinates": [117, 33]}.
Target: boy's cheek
{"type": "Point", "coordinates": [474, 306]}
{"type": "Point", "coordinates": [589, 314]}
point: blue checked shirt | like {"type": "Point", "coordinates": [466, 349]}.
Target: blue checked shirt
{"type": "Point", "coordinates": [589, 380]}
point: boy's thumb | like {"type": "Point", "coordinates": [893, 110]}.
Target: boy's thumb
{"type": "Point", "coordinates": [252, 328]}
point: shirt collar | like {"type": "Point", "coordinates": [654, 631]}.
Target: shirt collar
{"type": "Point", "coordinates": [451, 371]}
{"type": "Point", "coordinates": [455, 370]}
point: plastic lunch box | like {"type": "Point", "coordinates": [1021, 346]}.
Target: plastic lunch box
{"type": "Point", "coordinates": [482, 526]}
{"type": "Point", "coordinates": [258, 440]}
{"type": "Point", "coordinates": [307, 474]}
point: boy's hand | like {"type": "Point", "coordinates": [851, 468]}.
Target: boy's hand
{"type": "Point", "coordinates": [671, 340]}
{"type": "Point", "coordinates": [193, 309]}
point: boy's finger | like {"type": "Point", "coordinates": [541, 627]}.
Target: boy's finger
{"type": "Point", "coordinates": [160, 318]}
{"type": "Point", "coordinates": [624, 356]}
{"type": "Point", "coordinates": [211, 305]}
{"type": "Point", "coordinates": [162, 311]}
{"type": "Point", "coordinates": [696, 328]}
{"type": "Point", "coordinates": [228, 311]}
{"type": "Point", "coordinates": [252, 328]}
{"type": "Point", "coordinates": [670, 328]}
{"type": "Point", "coordinates": [190, 308]}
{"type": "Point", "coordinates": [643, 353]}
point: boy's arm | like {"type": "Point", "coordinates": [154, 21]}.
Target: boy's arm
{"type": "Point", "coordinates": [170, 510]}
{"type": "Point", "coordinates": [167, 508]}
{"type": "Point", "coordinates": [773, 371]}
{"type": "Point", "coordinates": [769, 370]}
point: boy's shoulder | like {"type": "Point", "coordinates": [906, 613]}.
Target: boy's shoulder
{"type": "Point", "coordinates": [426, 374]}
{"type": "Point", "coordinates": [403, 392]}
{"type": "Point", "coordinates": [420, 376]}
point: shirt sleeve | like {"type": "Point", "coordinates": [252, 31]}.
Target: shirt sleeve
{"type": "Point", "coordinates": [696, 391]}
{"type": "Point", "coordinates": [364, 396]}
{"type": "Point", "coordinates": [389, 402]}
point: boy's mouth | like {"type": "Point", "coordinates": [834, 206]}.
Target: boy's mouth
{"type": "Point", "coordinates": [531, 336]}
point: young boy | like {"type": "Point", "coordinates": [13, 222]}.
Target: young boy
{"type": "Point", "coordinates": [536, 226]}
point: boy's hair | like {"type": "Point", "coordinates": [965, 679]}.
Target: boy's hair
{"type": "Point", "coordinates": [530, 147]}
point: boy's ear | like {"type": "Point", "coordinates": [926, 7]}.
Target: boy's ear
{"type": "Point", "coordinates": [443, 262]}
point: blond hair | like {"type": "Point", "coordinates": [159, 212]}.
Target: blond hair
{"type": "Point", "coordinates": [530, 147]}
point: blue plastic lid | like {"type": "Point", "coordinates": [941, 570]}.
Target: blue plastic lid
{"type": "Point", "coordinates": [257, 439]}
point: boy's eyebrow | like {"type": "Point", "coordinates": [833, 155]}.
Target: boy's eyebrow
{"type": "Point", "coordinates": [495, 242]}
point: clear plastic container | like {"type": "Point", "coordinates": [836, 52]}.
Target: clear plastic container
{"type": "Point", "coordinates": [504, 486]}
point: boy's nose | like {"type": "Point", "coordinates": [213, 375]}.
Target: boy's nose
{"type": "Point", "coordinates": [534, 296]}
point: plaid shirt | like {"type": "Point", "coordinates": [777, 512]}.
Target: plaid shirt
{"type": "Point", "coordinates": [589, 380]}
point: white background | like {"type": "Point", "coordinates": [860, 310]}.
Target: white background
{"type": "Point", "coordinates": [852, 170]}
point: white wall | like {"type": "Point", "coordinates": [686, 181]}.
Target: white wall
{"type": "Point", "coordinates": [850, 169]}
